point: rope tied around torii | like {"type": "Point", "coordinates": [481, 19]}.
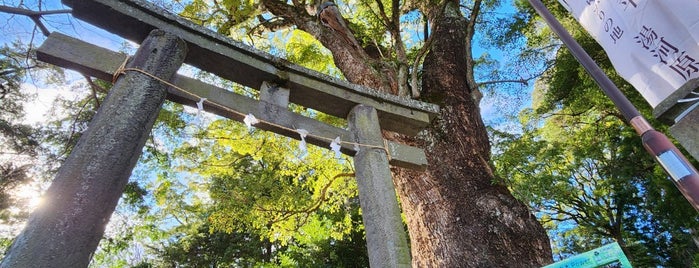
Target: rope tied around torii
{"type": "Point", "coordinates": [122, 69]}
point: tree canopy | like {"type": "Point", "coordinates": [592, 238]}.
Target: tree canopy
{"type": "Point", "coordinates": [583, 171]}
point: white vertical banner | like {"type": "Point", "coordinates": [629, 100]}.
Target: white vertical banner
{"type": "Point", "coordinates": [653, 44]}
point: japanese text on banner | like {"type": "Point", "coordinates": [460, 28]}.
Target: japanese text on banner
{"type": "Point", "coordinates": [652, 44]}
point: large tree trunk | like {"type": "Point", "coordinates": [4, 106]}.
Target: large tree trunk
{"type": "Point", "coordinates": [457, 215]}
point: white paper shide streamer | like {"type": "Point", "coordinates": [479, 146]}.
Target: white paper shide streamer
{"type": "Point", "coordinates": [250, 120]}
{"type": "Point", "coordinates": [302, 145]}
{"type": "Point", "coordinates": [200, 105]}
{"type": "Point", "coordinates": [198, 120]}
{"type": "Point", "coordinates": [335, 147]}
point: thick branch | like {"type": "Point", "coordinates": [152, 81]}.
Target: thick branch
{"type": "Point", "coordinates": [401, 55]}
{"type": "Point", "coordinates": [296, 15]}
{"type": "Point", "coordinates": [382, 11]}
{"type": "Point", "coordinates": [414, 84]}
{"type": "Point", "coordinates": [395, 12]}
{"type": "Point", "coordinates": [357, 66]}
{"type": "Point", "coordinates": [470, 31]}
{"type": "Point", "coordinates": [393, 27]}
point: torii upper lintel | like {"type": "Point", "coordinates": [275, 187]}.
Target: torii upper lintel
{"type": "Point", "coordinates": [234, 61]}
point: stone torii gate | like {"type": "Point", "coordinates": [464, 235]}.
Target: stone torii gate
{"type": "Point", "coordinates": [88, 186]}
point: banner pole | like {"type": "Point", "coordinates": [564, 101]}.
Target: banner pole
{"type": "Point", "coordinates": [675, 164]}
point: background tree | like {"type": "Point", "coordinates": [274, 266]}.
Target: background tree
{"type": "Point", "coordinates": [17, 140]}
{"type": "Point", "coordinates": [583, 169]}
{"type": "Point", "coordinates": [20, 141]}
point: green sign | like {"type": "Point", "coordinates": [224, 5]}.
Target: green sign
{"type": "Point", "coordinates": [604, 255]}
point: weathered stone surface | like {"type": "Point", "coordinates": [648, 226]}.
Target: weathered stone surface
{"type": "Point", "coordinates": [65, 230]}
{"type": "Point", "coordinates": [274, 94]}
{"type": "Point", "coordinates": [247, 66]}
{"type": "Point", "coordinates": [671, 107]}
{"type": "Point", "coordinates": [386, 239]}
{"type": "Point", "coordinates": [68, 52]}
{"type": "Point", "coordinates": [686, 131]}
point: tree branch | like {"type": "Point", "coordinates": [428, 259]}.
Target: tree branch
{"type": "Point", "coordinates": [520, 81]}
{"type": "Point", "coordinates": [34, 15]}
{"type": "Point", "coordinates": [288, 12]}
{"type": "Point", "coordinates": [73, 130]}
{"type": "Point", "coordinates": [399, 46]}
{"type": "Point", "coordinates": [524, 81]}
{"type": "Point", "coordinates": [382, 12]}
{"type": "Point", "coordinates": [415, 88]}
{"type": "Point", "coordinates": [94, 88]}
{"type": "Point", "coordinates": [286, 214]}
{"type": "Point", "coordinates": [470, 31]}
{"type": "Point", "coordinates": [272, 24]}
{"type": "Point", "coordinates": [31, 13]}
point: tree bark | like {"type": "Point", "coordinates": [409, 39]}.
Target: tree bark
{"type": "Point", "coordinates": [66, 229]}
{"type": "Point", "coordinates": [458, 215]}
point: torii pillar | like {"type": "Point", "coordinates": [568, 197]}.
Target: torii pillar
{"type": "Point", "coordinates": [66, 229]}
{"type": "Point", "coordinates": [387, 244]}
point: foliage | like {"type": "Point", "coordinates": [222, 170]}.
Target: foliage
{"type": "Point", "coordinates": [19, 142]}
{"type": "Point", "coordinates": [258, 185]}
{"type": "Point", "coordinates": [583, 170]}
{"type": "Point", "coordinates": [15, 138]}
{"type": "Point", "coordinates": [303, 49]}
{"type": "Point", "coordinates": [244, 249]}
